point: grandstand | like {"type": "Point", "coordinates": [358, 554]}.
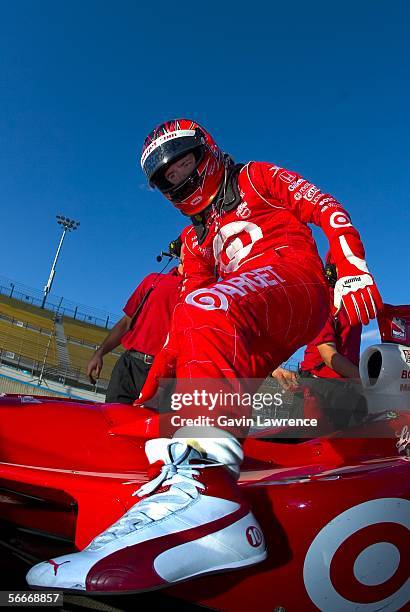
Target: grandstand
{"type": "Point", "coordinates": [45, 351]}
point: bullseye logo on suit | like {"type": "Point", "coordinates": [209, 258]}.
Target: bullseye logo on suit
{"type": "Point", "coordinates": [339, 219]}
{"type": "Point", "coordinates": [216, 296]}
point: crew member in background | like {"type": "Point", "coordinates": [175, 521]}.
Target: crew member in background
{"type": "Point", "coordinates": [142, 331]}
{"type": "Point", "coordinates": [335, 352]}
{"type": "Point", "coordinates": [333, 355]}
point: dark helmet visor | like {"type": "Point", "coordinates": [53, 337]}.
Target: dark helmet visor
{"type": "Point", "coordinates": [169, 151]}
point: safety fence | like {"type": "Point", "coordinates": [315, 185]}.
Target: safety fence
{"type": "Point", "coordinates": [42, 371]}
{"type": "Point", "coordinates": [57, 304]}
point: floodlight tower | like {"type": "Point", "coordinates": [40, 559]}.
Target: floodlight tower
{"type": "Point", "coordinates": [68, 225]}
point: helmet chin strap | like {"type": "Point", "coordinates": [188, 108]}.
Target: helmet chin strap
{"type": "Point", "coordinates": [226, 199]}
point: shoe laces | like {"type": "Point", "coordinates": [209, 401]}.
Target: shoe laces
{"type": "Point", "coordinates": [178, 475]}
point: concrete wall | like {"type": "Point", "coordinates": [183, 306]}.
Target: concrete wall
{"type": "Point", "coordinates": [14, 381]}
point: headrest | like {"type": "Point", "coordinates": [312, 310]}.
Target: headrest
{"type": "Point", "coordinates": [394, 324]}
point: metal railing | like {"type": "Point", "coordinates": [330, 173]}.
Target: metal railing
{"type": "Point", "coordinates": [56, 304]}
{"type": "Point", "coordinates": [41, 372]}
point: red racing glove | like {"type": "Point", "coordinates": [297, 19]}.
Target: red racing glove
{"type": "Point", "coordinates": [355, 288]}
{"type": "Point", "coordinates": [162, 367]}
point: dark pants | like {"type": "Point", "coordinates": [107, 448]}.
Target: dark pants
{"type": "Point", "coordinates": [127, 379]}
{"type": "Point", "coordinates": [342, 400]}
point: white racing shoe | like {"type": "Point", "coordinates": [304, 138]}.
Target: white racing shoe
{"type": "Point", "coordinates": [196, 523]}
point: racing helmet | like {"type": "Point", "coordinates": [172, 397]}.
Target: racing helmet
{"type": "Point", "coordinates": [169, 142]}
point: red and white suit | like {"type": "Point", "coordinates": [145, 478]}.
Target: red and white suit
{"type": "Point", "coordinates": [271, 297]}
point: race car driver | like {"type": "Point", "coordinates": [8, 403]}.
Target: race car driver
{"type": "Point", "coordinates": [253, 292]}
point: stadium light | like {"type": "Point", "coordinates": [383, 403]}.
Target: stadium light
{"type": "Point", "coordinates": [68, 225]}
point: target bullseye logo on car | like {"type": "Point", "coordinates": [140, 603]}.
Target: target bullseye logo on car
{"type": "Point", "coordinates": [359, 560]}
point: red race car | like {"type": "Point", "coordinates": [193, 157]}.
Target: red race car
{"type": "Point", "coordinates": [335, 509]}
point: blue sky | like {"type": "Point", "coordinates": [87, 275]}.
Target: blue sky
{"type": "Point", "coordinates": [319, 87]}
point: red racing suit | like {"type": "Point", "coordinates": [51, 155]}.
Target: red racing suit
{"type": "Point", "coordinates": [254, 289]}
